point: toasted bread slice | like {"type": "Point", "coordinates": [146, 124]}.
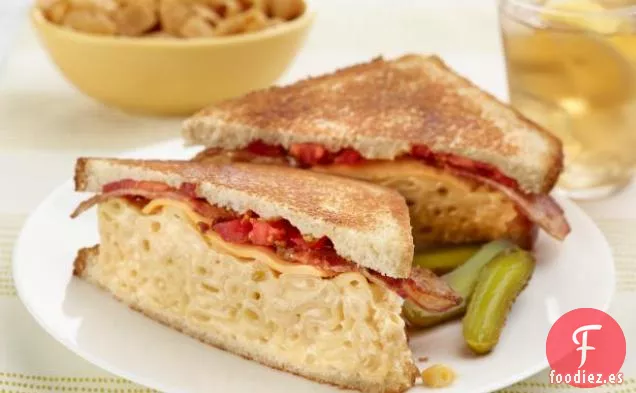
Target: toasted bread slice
{"type": "Point", "coordinates": [367, 224]}
{"type": "Point", "coordinates": [445, 209]}
{"type": "Point", "coordinates": [344, 331]}
{"type": "Point", "coordinates": [382, 109]}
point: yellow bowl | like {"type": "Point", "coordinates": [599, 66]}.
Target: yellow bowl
{"type": "Point", "coordinates": [165, 76]}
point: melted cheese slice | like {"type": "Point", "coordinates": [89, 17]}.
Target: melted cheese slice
{"type": "Point", "coordinates": [240, 251]}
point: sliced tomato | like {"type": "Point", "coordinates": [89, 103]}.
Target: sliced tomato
{"type": "Point", "coordinates": [309, 153]}
{"type": "Point", "coordinates": [348, 157]}
{"type": "Point", "coordinates": [479, 168]}
{"type": "Point", "coordinates": [234, 231]}
{"type": "Point", "coordinates": [443, 160]}
{"type": "Point", "coordinates": [423, 153]}
{"type": "Point", "coordinates": [265, 234]}
{"type": "Point", "coordinates": [263, 149]}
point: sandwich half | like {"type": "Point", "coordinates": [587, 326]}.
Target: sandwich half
{"type": "Point", "coordinates": [300, 271]}
{"type": "Point", "coordinates": [471, 168]}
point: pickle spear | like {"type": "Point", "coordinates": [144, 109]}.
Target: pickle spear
{"type": "Point", "coordinates": [498, 285]}
{"type": "Point", "coordinates": [462, 280]}
{"type": "Point", "coordinates": [444, 259]}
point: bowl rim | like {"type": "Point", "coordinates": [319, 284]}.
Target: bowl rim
{"type": "Point", "coordinates": [299, 23]}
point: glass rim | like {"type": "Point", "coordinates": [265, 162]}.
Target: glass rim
{"type": "Point", "coordinates": [531, 5]}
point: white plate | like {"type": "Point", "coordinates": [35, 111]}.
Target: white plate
{"type": "Point", "coordinates": [576, 273]}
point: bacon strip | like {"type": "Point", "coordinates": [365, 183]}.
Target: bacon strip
{"type": "Point", "coordinates": [326, 260]}
{"type": "Point", "coordinates": [99, 198]}
{"type": "Point", "coordinates": [539, 208]}
{"type": "Point", "coordinates": [154, 190]}
{"type": "Point", "coordinates": [423, 288]}
{"type": "Point", "coordinates": [452, 161]}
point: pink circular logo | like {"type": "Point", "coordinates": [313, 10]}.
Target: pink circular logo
{"type": "Point", "coordinates": [586, 348]}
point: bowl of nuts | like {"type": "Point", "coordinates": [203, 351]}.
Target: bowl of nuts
{"type": "Point", "coordinates": [171, 57]}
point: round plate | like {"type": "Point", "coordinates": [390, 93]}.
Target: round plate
{"type": "Point", "coordinates": [578, 272]}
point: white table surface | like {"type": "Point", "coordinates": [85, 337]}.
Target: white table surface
{"type": "Point", "coordinates": [45, 124]}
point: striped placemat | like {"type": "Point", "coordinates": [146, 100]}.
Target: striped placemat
{"type": "Point", "coordinates": [17, 379]}
{"type": "Point", "coordinates": [26, 383]}
{"type": "Point", "coordinates": [621, 235]}
{"type": "Point", "coordinates": [539, 384]}
{"type": "Point", "coordinates": [10, 225]}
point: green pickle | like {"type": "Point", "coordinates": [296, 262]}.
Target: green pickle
{"type": "Point", "coordinates": [462, 280]}
{"type": "Point", "coordinates": [443, 260]}
{"type": "Point", "coordinates": [498, 285]}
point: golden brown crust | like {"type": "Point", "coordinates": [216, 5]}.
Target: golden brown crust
{"type": "Point", "coordinates": [80, 174]}
{"type": "Point", "coordinates": [367, 224]}
{"type": "Point", "coordinates": [383, 108]}
{"type": "Point", "coordinates": [556, 165]}
{"type": "Point", "coordinates": [445, 209]}
{"type": "Point", "coordinates": [83, 255]}
{"type": "Point", "coordinates": [86, 254]}
{"type": "Point", "coordinates": [555, 170]}
{"type": "Point", "coordinates": [335, 199]}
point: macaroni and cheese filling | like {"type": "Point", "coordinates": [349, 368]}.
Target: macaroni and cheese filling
{"type": "Point", "coordinates": [276, 241]}
{"type": "Point", "coordinates": [233, 296]}
{"type": "Point", "coordinates": [539, 208]}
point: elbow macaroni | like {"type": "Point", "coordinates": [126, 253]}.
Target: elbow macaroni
{"type": "Point", "coordinates": [434, 195]}
{"type": "Point", "coordinates": [343, 324]}
{"type": "Point", "coordinates": [438, 376]}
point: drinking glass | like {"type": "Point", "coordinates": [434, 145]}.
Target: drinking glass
{"type": "Point", "coordinates": [572, 69]}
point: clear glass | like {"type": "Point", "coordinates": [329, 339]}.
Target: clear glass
{"type": "Point", "coordinates": [572, 69]}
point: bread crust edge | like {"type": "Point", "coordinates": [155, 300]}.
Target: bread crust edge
{"type": "Point", "coordinates": [80, 175]}
{"type": "Point", "coordinates": [196, 130]}
{"type": "Point", "coordinates": [87, 170]}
